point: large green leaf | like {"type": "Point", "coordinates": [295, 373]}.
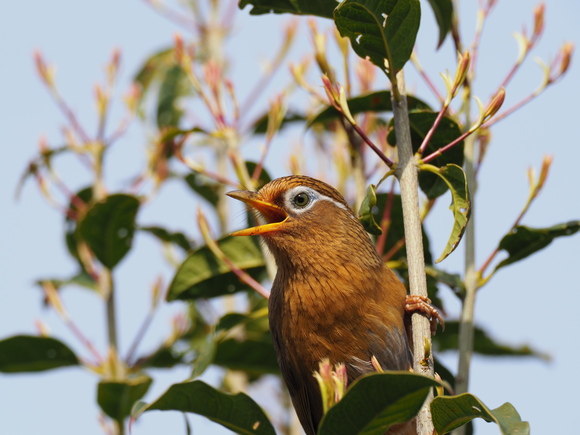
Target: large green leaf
{"type": "Point", "coordinates": [238, 412]}
{"type": "Point", "coordinates": [202, 275]}
{"type": "Point", "coordinates": [456, 180]}
{"type": "Point", "coordinates": [255, 357]}
{"type": "Point", "coordinates": [482, 343]}
{"type": "Point", "coordinates": [447, 131]}
{"type": "Point", "coordinates": [524, 241]}
{"type": "Point", "coordinates": [450, 413]}
{"type": "Point", "coordinates": [382, 30]}
{"type": "Point", "coordinates": [375, 402]}
{"type": "Point", "coordinates": [25, 353]}
{"type": "Point", "coordinates": [116, 398]}
{"type": "Point", "coordinates": [379, 101]}
{"type": "Point", "coordinates": [108, 228]}
{"type": "Point", "coordinates": [321, 8]}
{"type": "Point", "coordinates": [443, 10]}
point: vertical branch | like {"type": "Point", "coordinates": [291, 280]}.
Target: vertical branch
{"type": "Point", "coordinates": [408, 178]}
{"type": "Point", "coordinates": [467, 312]}
{"type": "Point", "coordinates": [109, 292]}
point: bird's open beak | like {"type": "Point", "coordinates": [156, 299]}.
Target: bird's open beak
{"type": "Point", "coordinates": [274, 215]}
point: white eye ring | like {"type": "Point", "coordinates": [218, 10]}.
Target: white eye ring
{"type": "Point", "coordinates": [294, 197]}
{"type": "Point", "coordinates": [312, 195]}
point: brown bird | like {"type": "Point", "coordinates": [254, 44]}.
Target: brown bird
{"type": "Point", "coordinates": [333, 297]}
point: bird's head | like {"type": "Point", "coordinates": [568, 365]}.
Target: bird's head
{"type": "Point", "coordinates": [304, 217]}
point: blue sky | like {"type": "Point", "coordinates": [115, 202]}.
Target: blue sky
{"type": "Point", "coordinates": [534, 302]}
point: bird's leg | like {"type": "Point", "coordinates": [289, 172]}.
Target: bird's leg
{"type": "Point", "coordinates": [422, 304]}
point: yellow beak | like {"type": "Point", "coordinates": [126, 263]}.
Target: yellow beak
{"type": "Point", "coordinates": [274, 215]}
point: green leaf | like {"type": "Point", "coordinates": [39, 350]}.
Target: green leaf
{"type": "Point", "coordinates": [482, 343]}
{"type": "Point", "coordinates": [452, 280]}
{"type": "Point", "coordinates": [320, 8]}
{"type": "Point", "coordinates": [174, 85]}
{"type": "Point", "coordinates": [238, 412]}
{"type": "Point", "coordinates": [446, 132]}
{"type": "Point", "coordinates": [524, 241]}
{"type": "Point", "coordinates": [81, 279]}
{"type": "Point", "coordinates": [394, 235]}
{"type": "Point", "coordinates": [204, 187]}
{"type": "Point", "coordinates": [455, 179]}
{"type": "Point", "coordinates": [443, 10]}
{"type": "Point", "coordinates": [377, 401]}
{"type": "Point", "coordinates": [86, 196]}
{"type": "Point", "coordinates": [26, 353]}
{"type": "Point", "coordinates": [166, 236]}
{"type": "Point", "coordinates": [380, 29]}
{"type": "Point", "coordinates": [450, 413]}
{"type": "Point", "coordinates": [255, 357]}
{"type": "Point", "coordinates": [153, 69]}
{"type": "Point", "coordinates": [108, 228]}
{"type": "Point", "coordinates": [261, 125]}
{"type": "Point", "coordinates": [264, 177]}
{"type": "Point", "coordinates": [366, 216]}
{"type": "Point", "coordinates": [202, 275]}
{"type": "Point", "coordinates": [374, 102]}
{"type": "Point", "coordinates": [116, 398]}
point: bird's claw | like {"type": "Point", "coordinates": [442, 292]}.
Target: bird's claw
{"type": "Point", "coordinates": [422, 304]}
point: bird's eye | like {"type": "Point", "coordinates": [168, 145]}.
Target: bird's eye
{"type": "Point", "coordinates": [301, 200]}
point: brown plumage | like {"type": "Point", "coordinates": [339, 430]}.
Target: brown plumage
{"type": "Point", "coordinates": [332, 297]}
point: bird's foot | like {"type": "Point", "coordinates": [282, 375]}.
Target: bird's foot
{"type": "Point", "coordinates": [422, 304]}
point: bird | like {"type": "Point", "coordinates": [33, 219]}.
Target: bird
{"type": "Point", "coordinates": [332, 297]}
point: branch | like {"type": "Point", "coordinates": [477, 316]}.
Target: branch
{"type": "Point", "coordinates": [408, 178]}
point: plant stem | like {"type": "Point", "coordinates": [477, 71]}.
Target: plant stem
{"type": "Point", "coordinates": [408, 178]}
{"type": "Point", "coordinates": [466, 321]}
{"type": "Point", "coordinates": [109, 291]}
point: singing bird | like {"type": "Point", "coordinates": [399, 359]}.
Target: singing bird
{"type": "Point", "coordinates": [333, 297]}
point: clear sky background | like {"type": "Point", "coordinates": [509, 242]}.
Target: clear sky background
{"type": "Point", "coordinates": [534, 302]}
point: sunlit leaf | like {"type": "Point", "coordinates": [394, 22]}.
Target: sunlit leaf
{"type": "Point", "coordinates": [524, 241]}
{"type": "Point", "coordinates": [482, 343]}
{"type": "Point", "coordinates": [321, 8]}
{"type": "Point", "coordinates": [380, 29]}
{"type": "Point", "coordinates": [202, 275]}
{"type": "Point", "coordinates": [377, 401]}
{"type": "Point", "coordinates": [108, 228]}
{"type": "Point", "coordinates": [238, 412]}
{"type": "Point", "coordinates": [366, 217]}
{"type": "Point", "coordinates": [450, 413]}
{"type": "Point", "coordinates": [456, 180]}
{"type": "Point", "coordinates": [25, 353]}
{"type": "Point", "coordinates": [116, 398]}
